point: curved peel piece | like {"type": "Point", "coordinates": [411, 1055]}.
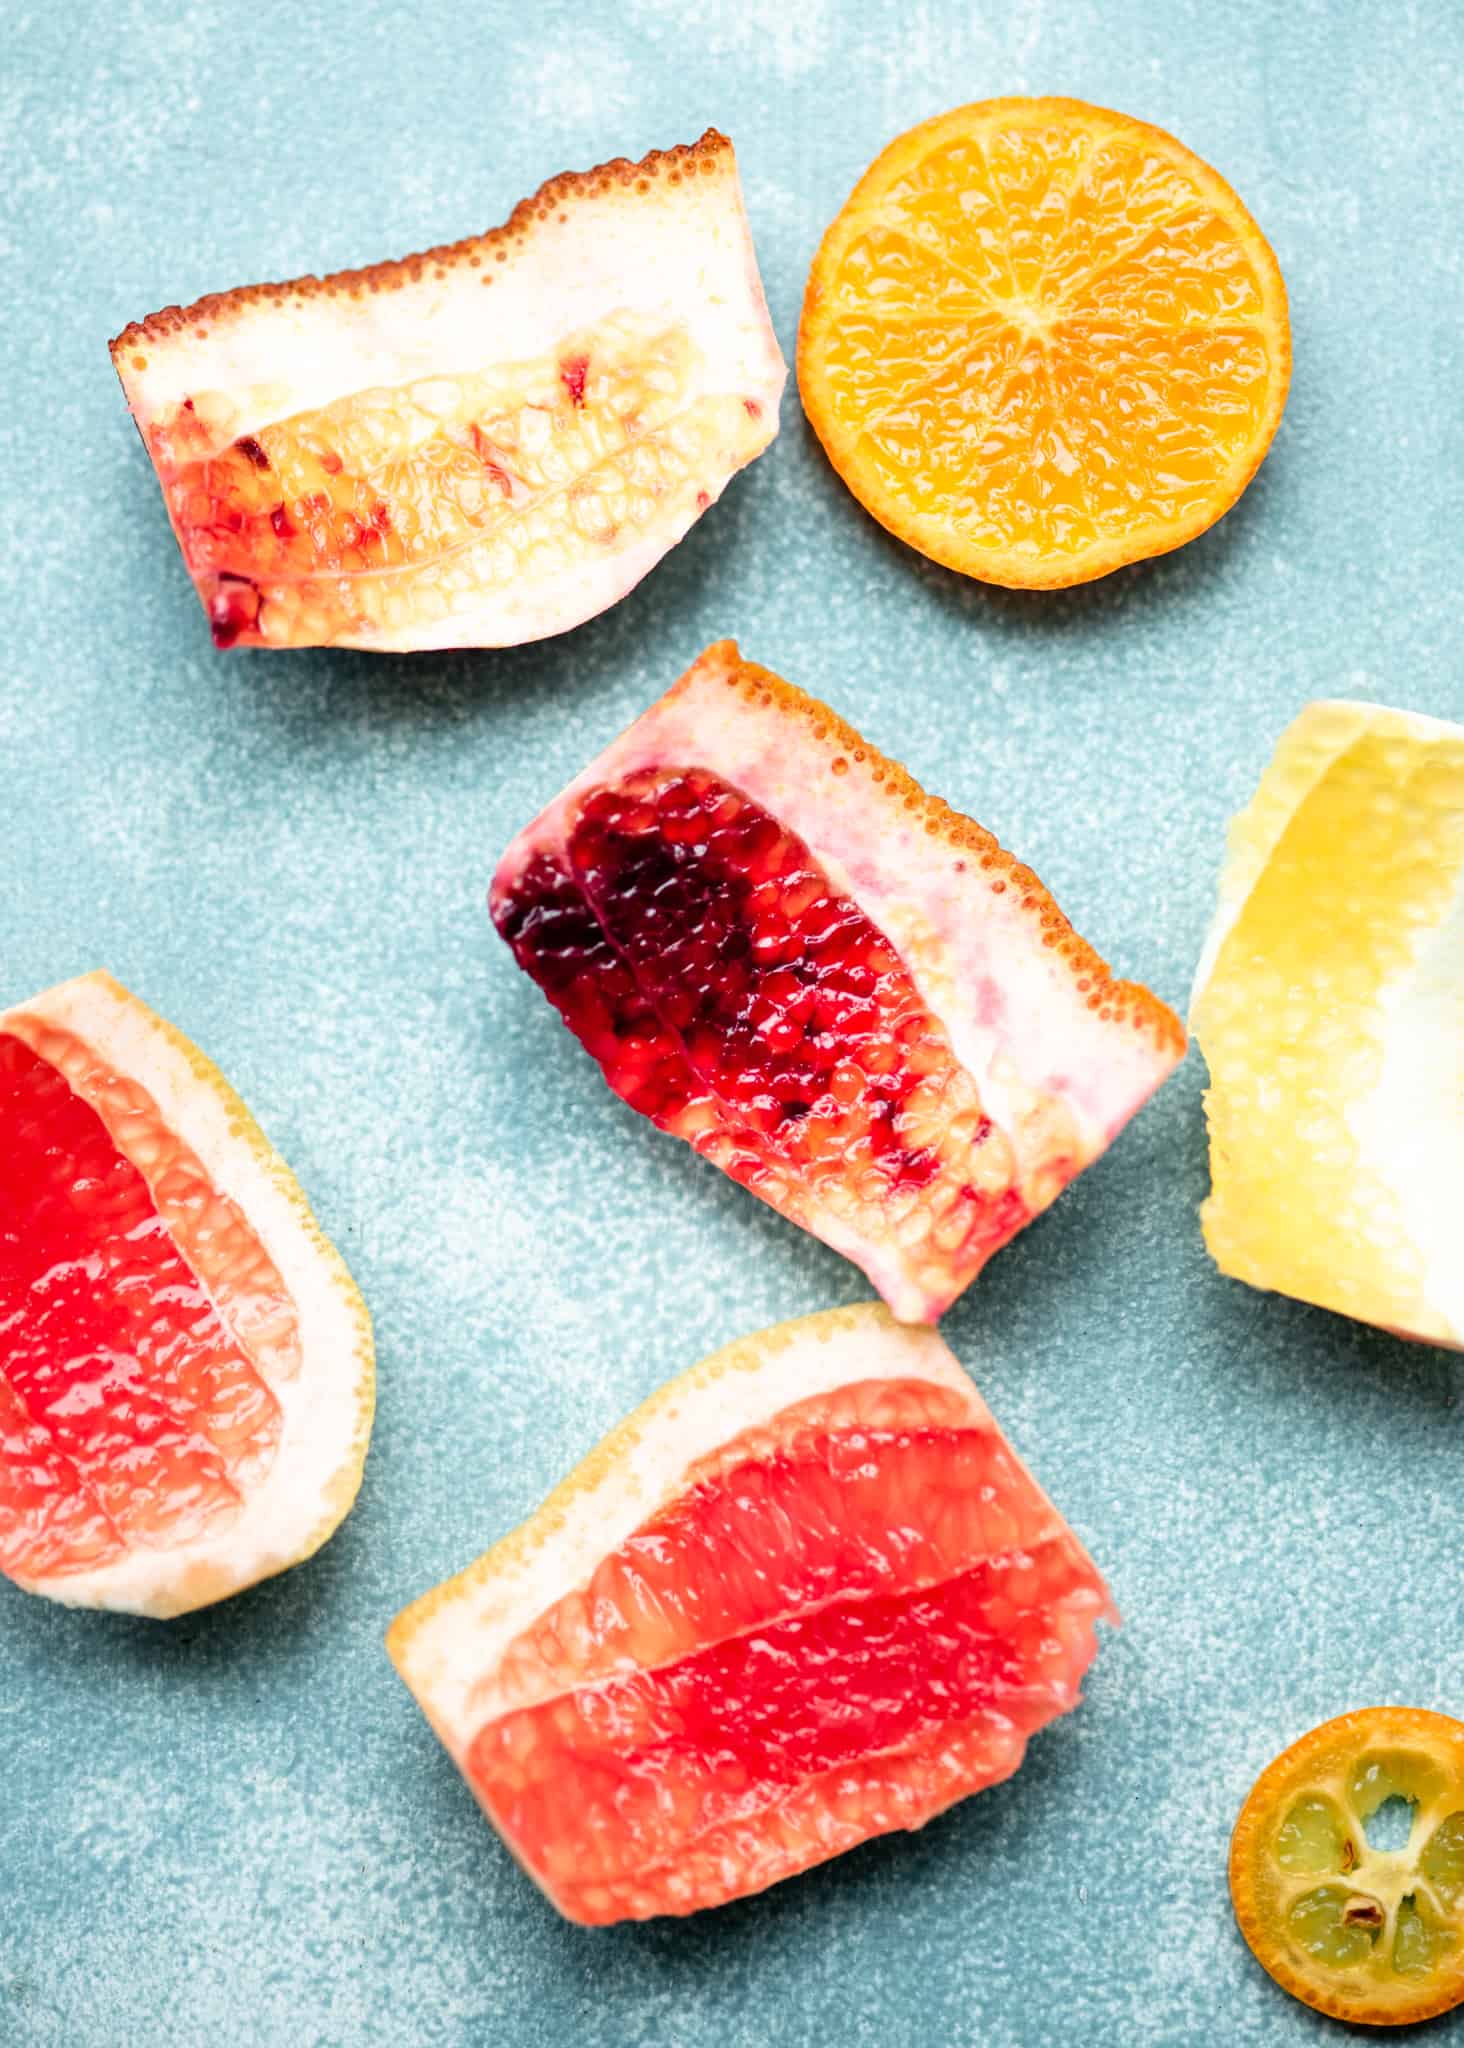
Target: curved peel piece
{"type": "Point", "coordinates": [805, 1595]}
{"type": "Point", "coordinates": [837, 988]}
{"type": "Point", "coordinates": [484, 444]}
{"type": "Point", "coordinates": [1329, 1003]}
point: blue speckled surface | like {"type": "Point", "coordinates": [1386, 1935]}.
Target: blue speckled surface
{"type": "Point", "coordinates": [236, 1830]}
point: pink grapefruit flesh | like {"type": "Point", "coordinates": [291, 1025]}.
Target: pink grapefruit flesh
{"type": "Point", "coordinates": [848, 1611]}
{"type": "Point", "coordinates": [132, 1412]}
{"type": "Point", "coordinates": [841, 991]}
{"type": "Point", "coordinates": [167, 1427]}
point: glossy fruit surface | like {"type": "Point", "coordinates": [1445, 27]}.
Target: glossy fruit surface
{"type": "Point", "coordinates": [806, 1595]}
{"type": "Point", "coordinates": [1365, 1933]}
{"type": "Point", "coordinates": [835, 987]}
{"type": "Point", "coordinates": [1330, 1007]}
{"type": "Point", "coordinates": [1042, 340]}
{"type": "Point", "coordinates": [185, 1367]}
{"type": "Point", "coordinates": [480, 445]}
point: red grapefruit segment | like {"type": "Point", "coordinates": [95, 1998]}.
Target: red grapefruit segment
{"type": "Point", "coordinates": [483, 444]}
{"type": "Point", "coordinates": [806, 1595]}
{"type": "Point", "coordinates": [835, 987]}
{"type": "Point", "coordinates": [185, 1368]}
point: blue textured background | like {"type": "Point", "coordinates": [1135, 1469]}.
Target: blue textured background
{"type": "Point", "coordinates": [236, 1830]}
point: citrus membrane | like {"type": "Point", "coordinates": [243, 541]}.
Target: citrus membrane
{"type": "Point", "coordinates": [483, 444]}
{"type": "Point", "coordinates": [1368, 1933]}
{"type": "Point", "coordinates": [807, 1594]}
{"type": "Point", "coordinates": [1329, 1003]}
{"type": "Point", "coordinates": [1042, 340]}
{"type": "Point", "coordinates": [185, 1366]}
{"type": "Point", "coordinates": [833, 986]}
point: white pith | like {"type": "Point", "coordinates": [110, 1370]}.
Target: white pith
{"type": "Point", "coordinates": [325, 1409]}
{"type": "Point", "coordinates": [973, 955]}
{"type": "Point", "coordinates": [678, 253]}
{"type": "Point", "coordinates": [1409, 1126]}
{"type": "Point", "coordinates": [448, 1644]}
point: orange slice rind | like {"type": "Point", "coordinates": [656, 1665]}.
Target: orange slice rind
{"type": "Point", "coordinates": [1362, 1933]}
{"type": "Point", "coordinates": [1042, 340]}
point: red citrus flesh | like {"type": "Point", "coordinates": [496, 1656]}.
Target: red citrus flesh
{"type": "Point", "coordinates": [130, 1413]}
{"type": "Point", "coordinates": [851, 1617]}
{"type": "Point", "coordinates": [830, 984]}
{"type": "Point", "coordinates": [699, 951]}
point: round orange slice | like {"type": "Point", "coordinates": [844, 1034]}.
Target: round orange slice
{"type": "Point", "coordinates": [1042, 340]}
{"type": "Point", "coordinates": [1361, 1931]}
{"type": "Point", "coordinates": [186, 1380]}
{"type": "Point", "coordinates": [807, 1594]}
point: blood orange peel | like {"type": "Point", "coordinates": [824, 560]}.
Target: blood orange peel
{"type": "Point", "coordinates": [1364, 1933]}
{"type": "Point", "coordinates": [1042, 340]}
{"type": "Point", "coordinates": [186, 1378]}
{"type": "Point", "coordinates": [835, 987]}
{"type": "Point", "coordinates": [807, 1594]}
{"type": "Point", "coordinates": [483, 444]}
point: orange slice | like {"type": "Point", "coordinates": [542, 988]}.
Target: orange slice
{"type": "Point", "coordinates": [483, 444]}
{"type": "Point", "coordinates": [805, 1595]}
{"type": "Point", "coordinates": [1364, 1932]}
{"type": "Point", "coordinates": [186, 1383]}
{"type": "Point", "coordinates": [1042, 340]}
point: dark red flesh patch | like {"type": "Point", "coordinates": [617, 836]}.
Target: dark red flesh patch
{"type": "Point", "coordinates": [128, 1414]}
{"type": "Point", "coordinates": [572, 373]}
{"type": "Point", "coordinates": [856, 1675]}
{"type": "Point", "coordinates": [233, 609]}
{"type": "Point", "coordinates": [697, 948]}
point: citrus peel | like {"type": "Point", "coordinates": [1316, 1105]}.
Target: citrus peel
{"type": "Point", "coordinates": [1329, 1003]}
{"type": "Point", "coordinates": [187, 1387]}
{"type": "Point", "coordinates": [482, 444]}
{"type": "Point", "coordinates": [805, 1595]}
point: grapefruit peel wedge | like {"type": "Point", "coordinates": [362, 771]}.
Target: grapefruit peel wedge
{"type": "Point", "coordinates": [477, 446]}
{"type": "Point", "coordinates": [1329, 1004]}
{"type": "Point", "coordinates": [613, 1678]}
{"type": "Point", "coordinates": [286, 1338]}
{"type": "Point", "coordinates": [835, 987]}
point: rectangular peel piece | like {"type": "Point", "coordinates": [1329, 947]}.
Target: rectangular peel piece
{"type": "Point", "coordinates": [480, 445]}
{"type": "Point", "coordinates": [837, 988]}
